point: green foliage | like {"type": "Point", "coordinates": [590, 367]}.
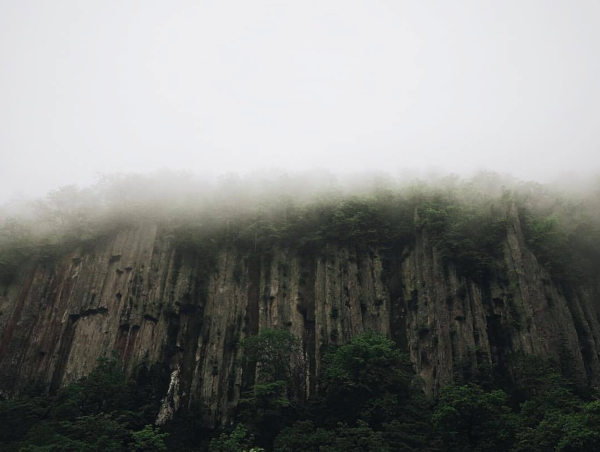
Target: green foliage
{"type": "Point", "coordinates": [149, 439]}
{"type": "Point", "coordinates": [268, 404]}
{"type": "Point", "coordinates": [368, 400]}
{"type": "Point", "coordinates": [539, 413]}
{"type": "Point", "coordinates": [539, 386]}
{"type": "Point", "coordinates": [550, 244]}
{"type": "Point", "coordinates": [15, 246]}
{"type": "Point", "coordinates": [356, 222]}
{"type": "Point", "coordinates": [361, 438]}
{"type": "Point", "coordinates": [239, 440]}
{"type": "Point", "coordinates": [551, 416]}
{"type": "Point", "coordinates": [558, 430]}
{"type": "Point", "coordinates": [367, 379]}
{"type": "Point", "coordinates": [564, 234]}
{"type": "Point", "coordinates": [18, 416]}
{"type": "Point", "coordinates": [104, 411]}
{"type": "Point", "coordinates": [105, 390]}
{"type": "Point", "coordinates": [412, 431]}
{"type": "Point", "coordinates": [570, 257]}
{"type": "Point", "coordinates": [266, 409]}
{"type": "Point", "coordinates": [468, 235]}
{"type": "Point", "coordinates": [469, 418]}
{"type": "Point", "coordinates": [101, 432]}
{"type": "Point", "coordinates": [271, 351]}
{"type": "Point", "coordinates": [303, 436]}
{"type": "Point", "coordinates": [465, 220]}
{"type": "Point", "coordinates": [188, 430]}
{"type": "Point", "coordinates": [269, 396]}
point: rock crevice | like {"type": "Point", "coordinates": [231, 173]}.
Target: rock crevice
{"type": "Point", "coordinates": [137, 295]}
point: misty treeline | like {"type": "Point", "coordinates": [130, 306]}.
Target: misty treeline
{"type": "Point", "coordinates": [368, 399]}
{"type": "Point", "coordinates": [464, 218]}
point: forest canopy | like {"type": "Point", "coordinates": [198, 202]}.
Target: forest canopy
{"type": "Point", "coordinates": [464, 218]}
{"type": "Point", "coordinates": [369, 399]}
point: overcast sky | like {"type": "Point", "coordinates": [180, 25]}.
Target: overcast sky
{"type": "Point", "coordinates": [91, 87]}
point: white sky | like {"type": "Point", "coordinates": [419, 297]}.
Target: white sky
{"type": "Point", "coordinates": [89, 87]}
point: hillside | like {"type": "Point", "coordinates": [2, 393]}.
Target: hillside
{"type": "Point", "coordinates": [460, 277]}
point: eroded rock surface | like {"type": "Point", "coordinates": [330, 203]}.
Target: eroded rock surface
{"type": "Point", "coordinates": [135, 294]}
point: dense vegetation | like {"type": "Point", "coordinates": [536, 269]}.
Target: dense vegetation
{"type": "Point", "coordinates": [368, 400]}
{"type": "Point", "coordinates": [105, 411]}
{"type": "Point", "coordinates": [465, 220]}
{"type": "Point", "coordinates": [368, 397]}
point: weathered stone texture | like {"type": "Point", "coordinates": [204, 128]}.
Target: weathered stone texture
{"type": "Point", "coordinates": [136, 296]}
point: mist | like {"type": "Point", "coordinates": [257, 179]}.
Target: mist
{"type": "Point", "coordinates": [93, 89]}
{"type": "Point", "coordinates": [300, 225]}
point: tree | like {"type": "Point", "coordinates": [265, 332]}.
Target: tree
{"type": "Point", "coordinates": [268, 404]}
{"type": "Point", "coordinates": [149, 439]}
{"type": "Point", "coordinates": [105, 390]}
{"type": "Point", "coordinates": [361, 438]}
{"type": "Point", "coordinates": [367, 379]}
{"type": "Point", "coordinates": [303, 436]}
{"type": "Point", "coordinates": [272, 352]}
{"type": "Point", "coordinates": [470, 419]}
{"type": "Point", "coordinates": [239, 440]}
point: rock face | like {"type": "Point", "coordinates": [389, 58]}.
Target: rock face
{"type": "Point", "coordinates": [135, 294]}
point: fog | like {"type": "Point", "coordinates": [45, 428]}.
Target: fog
{"type": "Point", "coordinates": [407, 87]}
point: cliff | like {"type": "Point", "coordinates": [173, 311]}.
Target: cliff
{"type": "Point", "coordinates": [136, 293]}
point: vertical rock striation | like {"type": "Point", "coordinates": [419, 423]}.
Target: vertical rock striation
{"type": "Point", "coordinates": [135, 295]}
